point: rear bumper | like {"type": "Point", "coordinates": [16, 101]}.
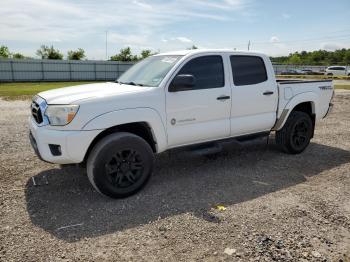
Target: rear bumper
{"type": "Point", "coordinates": [73, 145]}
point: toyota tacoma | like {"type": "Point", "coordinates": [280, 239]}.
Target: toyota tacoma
{"type": "Point", "coordinates": [167, 101]}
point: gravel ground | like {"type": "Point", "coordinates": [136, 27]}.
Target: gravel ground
{"type": "Point", "coordinates": [278, 206]}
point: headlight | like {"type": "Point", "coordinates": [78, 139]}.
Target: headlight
{"type": "Point", "coordinates": [60, 115]}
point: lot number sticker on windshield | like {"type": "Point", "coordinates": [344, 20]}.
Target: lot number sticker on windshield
{"type": "Point", "coordinates": [169, 59]}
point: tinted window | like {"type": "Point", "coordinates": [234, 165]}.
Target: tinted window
{"type": "Point", "coordinates": [208, 71]}
{"type": "Point", "coordinates": [248, 70]}
{"type": "Point", "coordinates": [337, 68]}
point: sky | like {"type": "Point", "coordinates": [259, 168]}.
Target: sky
{"type": "Point", "coordinates": [274, 27]}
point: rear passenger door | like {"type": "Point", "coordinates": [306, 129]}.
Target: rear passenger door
{"type": "Point", "coordinates": [254, 96]}
{"type": "Point", "coordinates": [201, 113]}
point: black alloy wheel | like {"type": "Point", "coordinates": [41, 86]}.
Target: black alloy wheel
{"type": "Point", "coordinates": [120, 164]}
{"type": "Point", "coordinates": [124, 168]}
{"type": "Point", "coordinates": [300, 134]}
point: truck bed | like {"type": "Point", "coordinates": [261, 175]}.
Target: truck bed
{"type": "Point", "coordinates": [319, 91]}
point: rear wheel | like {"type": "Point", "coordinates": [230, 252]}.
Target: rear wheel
{"type": "Point", "coordinates": [296, 133]}
{"type": "Point", "coordinates": [120, 165]}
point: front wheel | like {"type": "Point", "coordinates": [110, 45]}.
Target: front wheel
{"type": "Point", "coordinates": [296, 133]}
{"type": "Point", "coordinates": [120, 165]}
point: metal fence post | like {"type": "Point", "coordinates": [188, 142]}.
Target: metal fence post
{"type": "Point", "coordinates": [12, 73]}
{"type": "Point", "coordinates": [42, 70]}
{"type": "Point", "coordinates": [95, 73]}
{"type": "Point", "coordinates": [70, 69]}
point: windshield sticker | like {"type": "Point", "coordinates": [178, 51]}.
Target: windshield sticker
{"type": "Point", "coordinates": [156, 80]}
{"type": "Point", "coordinates": [169, 59]}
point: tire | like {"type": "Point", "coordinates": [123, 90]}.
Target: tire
{"type": "Point", "coordinates": [296, 133]}
{"type": "Point", "coordinates": [120, 165]}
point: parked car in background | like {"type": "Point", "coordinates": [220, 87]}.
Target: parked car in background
{"type": "Point", "coordinates": [293, 72]}
{"type": "Point", "coordinates": [337, 71]}
{"type": "Point", "coordinates": [311, 72]}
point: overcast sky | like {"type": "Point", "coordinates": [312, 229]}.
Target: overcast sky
{"type": "Point", "coordinates": [275, 27]}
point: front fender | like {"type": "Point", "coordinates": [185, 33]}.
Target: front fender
{"type": "Point", "coordinates": [296, 100]}
{"type": "Point", "coordinates": [132, 115]}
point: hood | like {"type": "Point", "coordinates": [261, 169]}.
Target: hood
{"type": "Point", "coordinates": [74, 94]}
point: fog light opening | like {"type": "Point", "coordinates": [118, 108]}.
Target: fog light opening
{"type": "Point", "coordinates": [55, 150]}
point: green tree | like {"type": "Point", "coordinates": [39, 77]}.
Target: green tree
{"type": "Point", "coordinates": [46, 52]}
{"type": "Point", "coordinates": [76, 54]}
{"type": "Point", "coordinates": [145, 53]}
{"type": "Point", "coordinates": [346, 59]}
{"type": "Point", "coordinates": [295, 59]}
{"type": "Point", "coordinates": [18, 56]}
{"type": "Point", "coordinates": [124, 55]}
{"type": "Point", "coordinates": [4, 52]}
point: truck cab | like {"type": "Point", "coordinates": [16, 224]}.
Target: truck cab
{"type": "Point", "coordinates": [172, 100]}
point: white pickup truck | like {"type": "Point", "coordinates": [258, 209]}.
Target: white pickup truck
{"type": "Point", "coordinates": [172, 100]}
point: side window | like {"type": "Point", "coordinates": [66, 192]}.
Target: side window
{"type": "Point", "coordinates": [208, 71]}
{"type": "Point", "coordinates": [340, 68]}
{"type": "Point", "coordinates": [248, 70]}
{"type": "Point", "coordinates": [337, 68]}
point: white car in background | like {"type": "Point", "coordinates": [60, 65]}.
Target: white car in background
{"type": "Point", "coordinates": [337, 71]}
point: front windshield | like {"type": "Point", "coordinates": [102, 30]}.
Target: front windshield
{"type": "Point", "coordinates": [150, 71]}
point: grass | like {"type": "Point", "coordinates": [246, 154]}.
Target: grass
{"type": "Point", "coordinates": [11, 91]}
{"type": "Point", "coordinates": [342, 86]}
{"type": "Point", "coordinates": [25, 90]}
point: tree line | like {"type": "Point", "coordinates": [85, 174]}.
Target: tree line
{"type": "Point", "coordinates": [319, 57]}
{"type": "Point", "coordinates": [49, 52]}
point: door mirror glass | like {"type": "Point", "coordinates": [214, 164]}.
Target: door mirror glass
{"type": "Point", "coordinates": [182, 83]}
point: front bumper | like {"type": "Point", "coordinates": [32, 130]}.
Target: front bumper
{"type": "Point", "coordinates": [73, 144]}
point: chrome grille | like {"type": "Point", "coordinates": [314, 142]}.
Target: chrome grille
{"type": "Point", "coordinates": [36, 112]}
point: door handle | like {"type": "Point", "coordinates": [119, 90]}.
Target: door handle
{"type": "Point", "coordinates": [223, 97]}
{"type": "Point", "coordinates": [267, 93]}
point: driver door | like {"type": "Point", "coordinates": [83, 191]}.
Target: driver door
{"type": "Point", "coordinates": [202, 112]}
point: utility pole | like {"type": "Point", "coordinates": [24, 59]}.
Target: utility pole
{"type": "Point", "coordinates": [248, 45]}
{"type": "Point", "coordinates": [106, 46]}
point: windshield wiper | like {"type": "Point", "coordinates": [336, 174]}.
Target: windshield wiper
{"type": "Point", "coordinates": [129, 83]}
{"type": "Point", "coordinates": [132, 84]}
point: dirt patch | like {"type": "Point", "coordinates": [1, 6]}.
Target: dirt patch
{"type": "Point", "coordinates": [278, 206]}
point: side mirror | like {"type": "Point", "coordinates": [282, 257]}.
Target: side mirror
{"type": "Point", "coordinates": [182, 83]}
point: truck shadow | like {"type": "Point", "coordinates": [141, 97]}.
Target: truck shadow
{"type": "Point", "coordinates": [69, 208]}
